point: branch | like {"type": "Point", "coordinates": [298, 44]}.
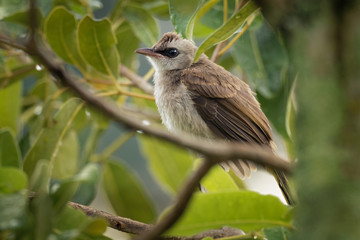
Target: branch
{"type": "Point", "coordinates": [216, 150]}
{"type": "Point", "coordinates": [137, 80]}
{"type": "Point", "coordinates": [120, 223]}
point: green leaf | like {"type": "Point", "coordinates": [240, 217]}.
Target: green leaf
{"type": "Point", "coordinates": [12, 180]}
{"type": "Point", "coordinates": [200, 11]}
{"type": "Point", "coordinates": [10, 104]}
{"type": "Point", "coordinates": [9, 149]}
{"type": "Point", "coordinates": [126, 193]}
{"type": "Point", "coordinates": [97, 44]}
{"type": "Point", "coordinates": [12, 210]}
{"type": "Point", "coordinates": [217, 180]}
{"type": "Point", "coordinates": [245, 210]}
{"type": "Point", "coordinates": [10, 7]}
{"type": "Point", "coordinates": [142, 23]}
{"type": "Point", "coordinates": [22, 17]}
{"type": "Point", "coordinates": [66, 161]}
{"type": "Point", "coordinates": [227, 29]}
{"type": "Point", "coordinates": [169, 163]}
{"type": "Point", "coordinates": [181, 15]}
{"type": "Point", "coordinates": [127, 43]}
{"type": "Point", "coordinates": [279, 233]}
{"type": "Point", "coordinates": [74, 224]}
{"type": "Point", "coordinates": [68, 188]}
{"type": "Point", "coordinates": [50, 139]}
{"type": "Point", "coordinates": [60, 32]}
{"type": "Point", "coordinates": [40, 177]}
{"type": "Point", "coordinates": [263, 58]}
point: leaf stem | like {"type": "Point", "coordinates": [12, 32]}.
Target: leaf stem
{"type": "Point", "coordinates": [115, 145]}
{"type": "Point", "coordinates": [149, 74]}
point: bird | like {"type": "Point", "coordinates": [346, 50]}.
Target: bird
{"type": "Point", "coordinates": [205, 100]}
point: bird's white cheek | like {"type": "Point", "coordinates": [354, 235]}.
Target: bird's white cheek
{"type": "Point", "coordinates": [154, 63]}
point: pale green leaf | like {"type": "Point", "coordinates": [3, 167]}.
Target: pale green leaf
{"type": "Point", "coordinates": [12, 210]}
{"type": "Point", "coordinates": [60, 32]}
{"type": "Point", "coordinates": [169, 163]}
{"type": "Point", "coordinates": [66, 161]}
{"type": "Point", "coordinates": [142, 23]}
{"type": "Point", "coordinates": [126, 194]}
{"type": "Point", "coordinates": [12, 180]}
{"type": "Point", "coordinates": [40, 177]}
{"type": "Point", "coordinates": [227, 29]}
{"type": "Point", "coordinates": [245, 210]}
{"type": "Point", "coordinates": [97, 44]}
{"type": "Point", "coordinates": [217, 180]}
{"type": "Point", "coordinates": [279, 233]}
{"type": "Point", "coordinates": [9, 149]}
{"type": "Point", "coordinates": [10, 104]}
{"type": "Point", "coordinates": [50, 139]}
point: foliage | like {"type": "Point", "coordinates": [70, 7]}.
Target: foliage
{"type": "Point", "coordinates": [45, 160]}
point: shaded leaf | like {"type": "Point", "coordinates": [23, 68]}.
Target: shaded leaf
{"type": "Point", "coordinates": [40, 177]}
{"type": "Point", "coordinates": [126, 193]}
{"type": "Point", "coordinates": [142, 23]}
{"type": "Point", "coordinates": [9, 149]}
{"type": "Point", "coordinates": [227, 29]}
{"type": "Point", "coordinates": [245, 210]}
{"type": "Point", "coordinates": [66, 161]}
{"type": "Point", "coordinates": [181, 12]}
{"type": "Point", "coordinates": [50, 139]}
{"type": "Point", "coordinates": [263, 58]}
{"type": "Point", "coordinates": [12, 210]}
{"type": "Point", "coordinates": [169, 163]}
{"type": "Point", "coordinates": [22, 17]}
{"type": "Point", "coordinates": [10, 104]}
{"type": "Point", "coordinates": [279, 233]}
{"type": "Point", "coordinates": [11, 7]}
{"type": "Point", "coordinates": [60, 32]}
{"type": "Point", "coordinates": [97, 44]}
{"type": "Point", "coordinates": [12, 180]}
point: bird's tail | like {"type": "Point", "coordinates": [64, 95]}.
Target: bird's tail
{"type": "Point", "coordinates": [284, 186]}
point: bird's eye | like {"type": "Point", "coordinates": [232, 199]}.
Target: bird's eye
{"type": "Point", "coordinates": [171, 52]}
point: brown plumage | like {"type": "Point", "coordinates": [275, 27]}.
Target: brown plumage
{"type": "Point", "coordinates": [203, 99]}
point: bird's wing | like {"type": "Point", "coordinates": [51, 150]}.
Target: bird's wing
{"type": "Point", "coordinates": [229, 109]}
{"type": "Point", "coordinates": [226, 104]}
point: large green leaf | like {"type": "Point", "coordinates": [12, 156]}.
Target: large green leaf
{"type": "Point", "coordinates": [227, 29]}
{"type": "Point", "coordinates": [126, 194]}
{"type": "Point", "coordinates": [97, 44]}
{"type": "Point", "coordinates": [181, 12]}
{"type": "Point", "coordinates": [12, 210]}
{"type": "Point", "coordinates": [66, 161]}
{"type": "Point", "coordinates": [169, 163]}
{"type": "Point", "coordinates": [142, 23]}
{"type": "Point", "coordinates": [10, 104]}
{"type": "Point", "coordinates": [10, 7]}
{"type": "Point", "coordinates": [245, 210]}
{"type": "Point", "coordinates": [9, 149]}
{"type": "Point", "coordinates": [60, 32]}
{"type": "Point", "coordinates": [278, 233]}
{"type": "Point", "coordinates": [51, 138]}
{"type": "Point", "coordinates": [263, 58]}
{"type": "Point", "coordinates": [12, 180]}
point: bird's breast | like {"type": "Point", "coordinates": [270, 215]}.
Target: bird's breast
{"type": "Point", "coordinates": [177, 109]}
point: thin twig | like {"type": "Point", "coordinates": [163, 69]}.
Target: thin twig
{"type": "Point", "coordinates": [120, 223]}
{"type": "Point", "coordinates": [181, 203]}
{"type": "Point", "coordinates": [137, 80]}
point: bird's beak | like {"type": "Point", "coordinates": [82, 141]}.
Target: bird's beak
{"type": "Point", "coordinates": [147, 52]}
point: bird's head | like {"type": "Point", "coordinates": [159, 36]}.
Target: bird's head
{"type": "Point", "coordinates": [170, 52]}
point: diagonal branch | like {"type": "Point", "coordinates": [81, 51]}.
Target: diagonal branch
{"type": "Point", "coordinates": [137, 80]}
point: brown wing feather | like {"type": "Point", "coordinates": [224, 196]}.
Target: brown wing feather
{"type": "Point", "coordinates": [226, 103]}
